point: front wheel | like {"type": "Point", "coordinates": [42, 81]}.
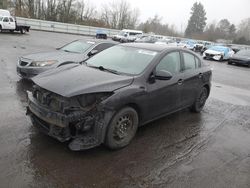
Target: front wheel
{"type": "Point", "coordinates": [122, 128]}
{"type": "Point", "coordinates": [221, 59]}
{"type": "Point", "coordinates": [200, 101]}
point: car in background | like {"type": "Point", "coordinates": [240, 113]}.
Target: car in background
{"type": "Point", "coordinates": [107, 97]}
{"type": "Point", "coordinates": [242, 57]}
{"type": "Point", "coordinates": [164, 41]}
{"type": "Point", "coordinates": [147, 39]}
{"type": "Point", "coordinates": [189, 44]}
{"type": "Point", "coordinates": [127, 35]}
{"type": "Point", "coordinates": [101, 34]}
{"type": "Point", "coordinates": [198, 46]}
{"type": "Point", "coordinates": [218, 53]}
{"type": "Point", "coordinates": [74, 52]}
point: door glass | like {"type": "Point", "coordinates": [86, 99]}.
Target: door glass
{"type": "Point", "coordinates": [5, 19]}
{"type": "Point", "coordinates": [170, 63]}
{"type": "Point", "coordinates": [189, 61]}
{"type": "Point", "coordinates": [11, 20]}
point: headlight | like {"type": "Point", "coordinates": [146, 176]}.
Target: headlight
{"type": "Point", "coordinates": [88, 100]}
{"type": "Point", "coordinates": [43, 63]}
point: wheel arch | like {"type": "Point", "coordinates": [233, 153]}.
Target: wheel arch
{"type": "Point", "coordinates": [208, 88]}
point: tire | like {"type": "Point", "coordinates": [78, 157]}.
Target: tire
{"type": "Point", "coordinates": [200, 101]}
{"type": "Point", "coordinates": [0, 29]}
{"type": "Point", "coordinates": [221, 59]}
{"type": "Point", "coordinates": [122, 128]}
{"type": "Point", "coordinates": [229, 63]}
{"type": "Point", "coordinates": [23, 31]}
{"type": "Point", "coordinates": [12, 31]}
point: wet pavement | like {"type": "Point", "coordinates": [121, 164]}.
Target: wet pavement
{"type": "Point", "coordinates": [210, 149]}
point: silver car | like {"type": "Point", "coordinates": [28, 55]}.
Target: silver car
{"type": "Point", "coordinates": [77, 51]}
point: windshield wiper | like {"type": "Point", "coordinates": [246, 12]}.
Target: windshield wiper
{"type": "Point", "coordinates": [103, 69]}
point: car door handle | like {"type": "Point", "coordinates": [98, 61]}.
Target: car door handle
{"type": "Point", "coordinates": [180, 81]}
{"type": "Point", "coordinates": [200, 75]}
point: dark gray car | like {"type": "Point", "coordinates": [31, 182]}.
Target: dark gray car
{"type": "Point", "coordinates": [74, 52]}
{"type": "Point", "coordinates": [106, 98]}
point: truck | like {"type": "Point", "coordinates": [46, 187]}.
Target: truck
{"type": "Point", "coordinates": [9, 23]}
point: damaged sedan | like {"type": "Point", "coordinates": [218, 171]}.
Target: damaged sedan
{"type": "Point", "coordinates": [107, 97]}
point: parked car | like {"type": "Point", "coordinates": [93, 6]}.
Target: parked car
{"type": "Point", "coordinates": [147, 39]}
{"type": "Point", "coordinates": [242, 57]}
{"type": "Point", "coordinates": [106, 98]}
{"type": "Point", "coordinates": [74, 52]}
{"type": "Point", "coordinates": [101, 34]}
{"type": "Point", "coordinates": [189, 44]}
{"type": "Point", "coordinates": [218, 53]}
{"type": "Point", "coordinates": [8, 23]}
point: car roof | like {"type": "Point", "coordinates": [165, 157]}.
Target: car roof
{"type": "Point", "coordinates": [148, 46]}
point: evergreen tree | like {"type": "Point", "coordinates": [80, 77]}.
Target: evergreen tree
{"type": "Point", "coordinates": [197, 20]}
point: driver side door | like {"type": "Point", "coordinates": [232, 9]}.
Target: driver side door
{"type": "Point", "coordinates": [164, 95]}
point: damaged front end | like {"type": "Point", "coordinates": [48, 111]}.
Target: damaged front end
{"type": "Point", "coordinates": [81, 119]}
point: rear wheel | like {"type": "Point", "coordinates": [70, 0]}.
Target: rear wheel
{"type": "Point", "coordinates": [122, 128]}
{"type": "Point", "coordinates": [22, 31]}
{"type": "Point", "coordinates": [200, 101]}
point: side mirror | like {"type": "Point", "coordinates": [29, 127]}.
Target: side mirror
{"type": "Point", "coordinates": [93, 52]}
{"type": "Point", "coordinates": [163, 75]}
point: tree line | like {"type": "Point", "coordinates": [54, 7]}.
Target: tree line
{"type": "Point", "coordinates": [120, 14]}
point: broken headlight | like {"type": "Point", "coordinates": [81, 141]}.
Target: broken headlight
{"type": "Point", "coordinates": [88, 100]}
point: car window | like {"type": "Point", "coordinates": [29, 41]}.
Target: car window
{"type": "Point", "coordinates": [189, 61]}
{"type": "Point", "coordinates": [170, 63]}
{"type": "Point", "coordinates": [102, 46]}
{"type": "Point", "coordinates": [11, 20]}
{"type": "Point", "coordinates": [198, 62]}
{"type": "Point", "coordinates": [6, 19]}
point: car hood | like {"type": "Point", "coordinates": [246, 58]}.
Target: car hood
{"type": "Point", "coordinates": [72, 80]}
{"type": "Point", "coordinates": [213, 52]}
{"type": "Point", "coordinates": [241, 57]}
{"type": "Point", "coordinates": [58, 55]}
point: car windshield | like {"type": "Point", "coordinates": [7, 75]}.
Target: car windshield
{"type": "Point", "coordinates": [127, 60]}
{"type": "Point", "coordinates": [77, 47]}
{"type": "Point", "coordinates": [244, 52]}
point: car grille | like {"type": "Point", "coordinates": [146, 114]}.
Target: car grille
{"type": "Point", "coordinates": [23, 63]}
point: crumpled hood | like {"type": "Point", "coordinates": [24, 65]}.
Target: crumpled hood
{"type": "Point", "coordinates": [72, 80]}
{"type": "Point", "coordinates": [59, 55]}
{"type": "Point", "coordinates": [213, 52]}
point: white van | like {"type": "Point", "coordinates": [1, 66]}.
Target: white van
{"type": "Point", "coordinates": [127, 35]}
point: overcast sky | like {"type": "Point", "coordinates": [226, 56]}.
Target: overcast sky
{"type": "Point", "coordinates": [177, 12]}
